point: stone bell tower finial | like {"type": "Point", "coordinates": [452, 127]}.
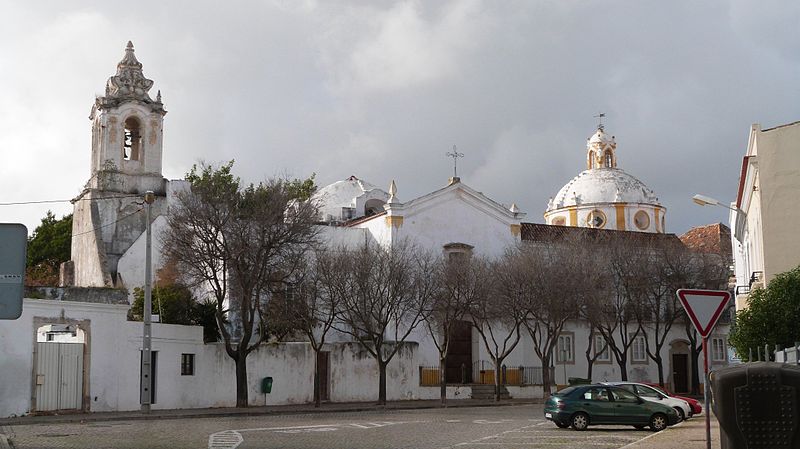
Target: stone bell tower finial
{"type": "Point", "coordinates": [127, 131]}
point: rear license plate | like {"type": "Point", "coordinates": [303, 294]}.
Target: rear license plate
{"type": "Point", "coordinates": [548, 415]}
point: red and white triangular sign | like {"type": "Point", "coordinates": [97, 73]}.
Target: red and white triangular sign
{"type": "Point", "coordinates": [704, 307]}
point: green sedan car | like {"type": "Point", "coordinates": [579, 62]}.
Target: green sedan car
{"type": "Point", "coordinates": [584, 405]}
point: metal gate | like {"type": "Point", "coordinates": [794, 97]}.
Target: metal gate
{"type": "Point", "coordinates": [59, 376]}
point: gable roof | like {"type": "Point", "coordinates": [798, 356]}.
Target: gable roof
{"type": "Point", "coordinates": [712, 238]}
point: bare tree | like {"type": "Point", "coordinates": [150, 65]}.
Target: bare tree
{"type": "Point", "coordinates": [461, 282]}
{"type": "Point", "coordinates": [550, 280]}
{"type": "Point", "coordinates": [387, 295]}
{"type": "Point", "coordinates": [312, 300]}
{"type": "Point", "coordinates": [239, 242]}
{"type": "Point", "coordinates": [616, 321]}
{"type": "Point", "coordinates": [497, 316]}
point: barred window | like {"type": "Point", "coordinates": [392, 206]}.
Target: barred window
{"type": "Point", "coordinates": [601, 349]}
{"type": "Point", "coordinates": [564, 351]}
{"type": "Point", "coordinates": [187, 364]}
{"type": "Point", "coordinates": [638, 349]}
{"type": "Point", "coordinates": [718, 353]}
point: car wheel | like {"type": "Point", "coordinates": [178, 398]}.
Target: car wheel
{"type": "Point", "coordinates": [658, 422]}
{"type": "Point", "coordinates": [561, 425]}
{"type": "Point", "coordinates": [580, 421]}
{"type": "Point", "coordinates": [681, 415]}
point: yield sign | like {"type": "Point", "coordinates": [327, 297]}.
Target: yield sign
{"type": "Point", "coordinates": [704, 307]}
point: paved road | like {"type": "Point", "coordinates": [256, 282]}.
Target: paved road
{"type": "Point", "coordinates": [457, 428]}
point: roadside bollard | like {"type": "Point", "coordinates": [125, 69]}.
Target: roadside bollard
{"type": "Point", "coordinates": [757, 405]}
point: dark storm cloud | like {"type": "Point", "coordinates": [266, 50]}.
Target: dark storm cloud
{"type": "Point", "coordinates": [383, 89]}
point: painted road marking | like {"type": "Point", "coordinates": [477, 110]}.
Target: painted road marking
{"type": "Point", "coordinates": [231, 439]}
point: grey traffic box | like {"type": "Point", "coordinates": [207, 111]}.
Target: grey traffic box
{"type": "Point", "coordinates": [757, 405]}
{"type": "Point", "coordinates": [13, 243]}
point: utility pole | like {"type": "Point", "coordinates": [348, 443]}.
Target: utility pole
{"type": "Point", "coordinates": [145, 393]}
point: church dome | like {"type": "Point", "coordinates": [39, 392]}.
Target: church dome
{"type": "Point", "coordinates": [348, 199]}
{"type": "Point", "coordinates": [604, 196]}
{"type": "Point", "coordinates": [602, 185]}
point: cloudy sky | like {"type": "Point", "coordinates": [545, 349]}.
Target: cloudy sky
{"type": "Point", "coordinates": [383, 90]}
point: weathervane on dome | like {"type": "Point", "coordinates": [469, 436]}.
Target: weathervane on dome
{"type": "Point", "coordinates": [455, 155]}
{"type": "Point", "coordinates": [599, 118]}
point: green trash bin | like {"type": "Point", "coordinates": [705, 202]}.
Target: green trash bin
{"type": "Point", "coordinates": [578, 381]}
{"type": "Point", "coordinates": [266, 385]}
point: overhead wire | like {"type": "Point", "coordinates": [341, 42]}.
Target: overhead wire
{"type": "Point", "coordinates": [109, 224]}
{"type": "Point", "coordinates": [21, 203]}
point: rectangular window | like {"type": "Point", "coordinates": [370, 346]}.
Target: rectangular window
{"type": "Point", "coordinates": [601, 349]}
{"type": "Point", "coordinates": [718, 353]}
{"type": "Point", "coordinates": [187, 364]}
{"type": "Point", "coordinates": [564, 350]}
{"type": "Point", "coordinates": [638, 349]}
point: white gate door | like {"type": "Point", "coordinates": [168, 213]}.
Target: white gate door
{"type": "Point", "coordinates": [59, 376]}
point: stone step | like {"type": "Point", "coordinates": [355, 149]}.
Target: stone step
{"type": "Point", "coordinates": [487, 392]}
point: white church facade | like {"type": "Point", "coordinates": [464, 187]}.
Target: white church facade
{"type": "Point", "coordinates": [108, 252]}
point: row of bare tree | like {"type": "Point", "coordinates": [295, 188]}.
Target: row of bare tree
{"type": "Point", "coordinates": [266, 267]}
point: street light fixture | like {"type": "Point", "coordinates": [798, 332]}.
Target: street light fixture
{"type": "Point", "coordinates": [741, 217]}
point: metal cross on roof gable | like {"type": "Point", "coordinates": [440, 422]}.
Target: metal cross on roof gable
{"type": "Point", "coordinates": [455, 155]}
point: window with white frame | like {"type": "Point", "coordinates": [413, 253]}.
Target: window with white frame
{"type": "Point", "coordinates": [565, 350]}
{"type": "Point", "coordinates": [601, 349]}
{"type": "Point", "coordinates": [638, 349]}
{"type": "Point", "coordinates": [718, 353]}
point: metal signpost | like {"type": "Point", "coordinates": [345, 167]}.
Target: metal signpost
{"type": "Point", "coordinates": [13, 243]}
{"type": "Point", "coordinates": [704, 307]}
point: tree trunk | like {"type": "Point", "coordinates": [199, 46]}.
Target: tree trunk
{"type": "Point", "coordinates": [546, 381]}
{"type": "Point", "coordinates": [660, 367]}
{"type": "Point", "coordinates": [589, 368]}
{"type": "Point", "coordinates": [381, 382]}
{"type": "Point", "coordinates": [317, 399]}
{"type": "Point", "coordinates": [241, 381]}
{"type": "Point", "coordinates": [443, 379]}
{"type": "Point", "coordinates": [497, 379]}
{"type": "Point", "coordinates": [623, 369]}
{"type": "Point", "coordinates": [695, 354]}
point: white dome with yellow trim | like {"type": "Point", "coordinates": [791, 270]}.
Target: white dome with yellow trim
{"type": "Point", "coordinates": [604, 196]}
{"type": "Point", "coordinates": [603, 185]}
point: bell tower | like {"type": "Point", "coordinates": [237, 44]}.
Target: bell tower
{"type": "Point", "coordinates": [108, 218]}
{"type": "Point", "coordinates": [127, 132]}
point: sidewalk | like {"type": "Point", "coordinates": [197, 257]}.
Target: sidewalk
{"type": "Point", "coordinates": [256, 411]}
{"type": "Point", "coordinates": [689, 434]}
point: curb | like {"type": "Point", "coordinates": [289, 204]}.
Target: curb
{"type": "Point", "coordinates": [80, 418]}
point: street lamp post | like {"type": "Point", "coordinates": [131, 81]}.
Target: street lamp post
{"type": "Point", "coordinates": [738, 228]}
{"type": "Point", "coordinates": [147, 381]}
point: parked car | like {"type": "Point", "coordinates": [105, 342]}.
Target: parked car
{"type": "Point", "coordinates": [651, 394]}
{"type": "Point", "coordinates": [697, 407]}
{"type": "Point", "coordinates": [583, 405]}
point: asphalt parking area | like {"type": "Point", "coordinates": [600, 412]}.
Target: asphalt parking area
{"type": "Point", "coordinates": [546, 434]}
{"type": "Point", "coordinates": [501, 428]}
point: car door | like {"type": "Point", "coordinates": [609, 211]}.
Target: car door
{"type": "Point", "coordinates": [628, 408]}
{"type": "Point", "coordinates": [596, 401]}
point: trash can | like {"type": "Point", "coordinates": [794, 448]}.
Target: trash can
{"type": "Point", "coordinates": [578, 381]}
{"type": "Point", "coordinates": [757, 405]}
{"type": "Point", "coordinates": [266, 385]}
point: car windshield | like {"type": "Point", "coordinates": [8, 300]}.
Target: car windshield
{"type": "Point", "coordinates": [649, 392]}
